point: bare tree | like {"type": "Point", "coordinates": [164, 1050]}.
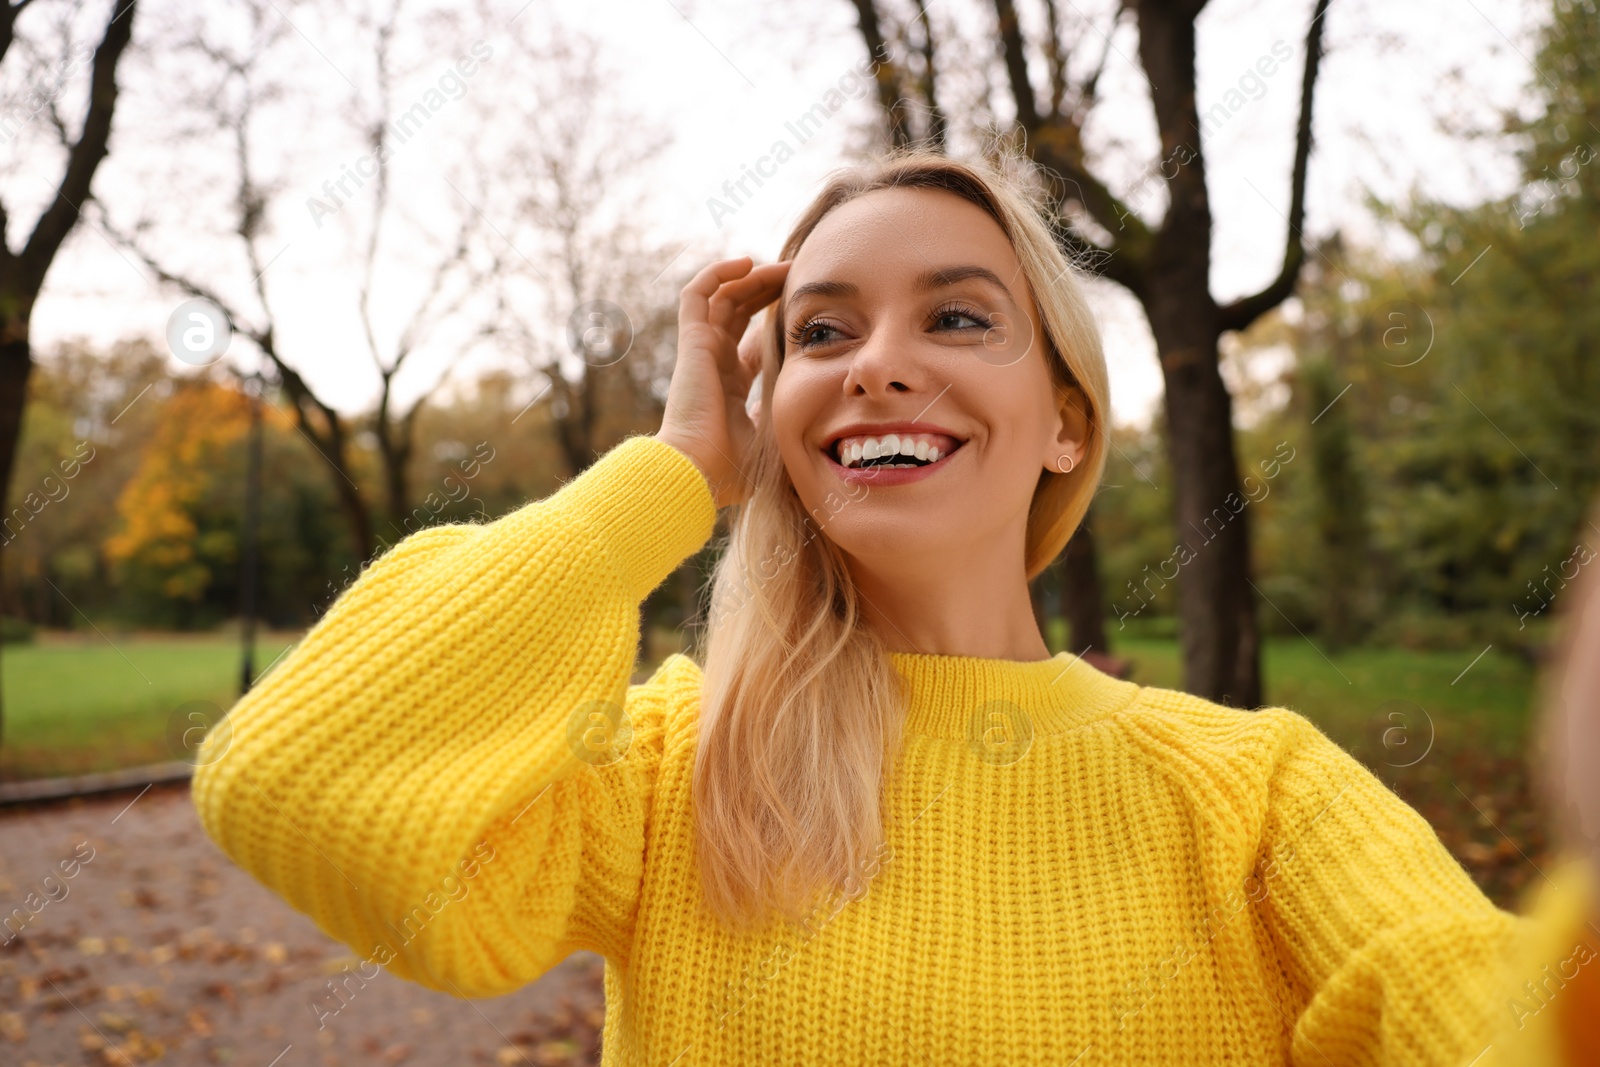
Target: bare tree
{"type": "Point", "coordinates": [449, 288]}
{"type": "Point", "coordinates": [1165, 264]}
{"type": "Point", "coordinates": [583, 296]}
{"type": "Point", "coordinates": [231, 109]}
{"type": "Point", "coordinates": [907, 93]}
{"type": "Point", "coordinates": [22, 273]}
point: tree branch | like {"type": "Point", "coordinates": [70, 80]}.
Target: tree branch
{"type": "Point", "coordinates": [1053, 142]}
{"type": "Point", "coordinates": [261, 337]}
{"type": "Point", "coordinates": [888, 72]}
{"type": "Point", "coordinates": [85, 155]}
{"type": "Point", "coordinates": [8, 21]}
{"type": "Point", "coordinates": [937, 125]}
{"type": "Point", "coordinates": [1016, 61]}
{"type": "Point", "coordinates": [1111, 263]}
{"type": "Point", "coordinates": [1242, 312]}
{"type": "Point", "coordinates": [1055, 57]}
{"type": "Point", "coordinates": [1091, 85]}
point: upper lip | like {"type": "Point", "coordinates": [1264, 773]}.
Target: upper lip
{"type": "Point", "coordinates": [878, 429]}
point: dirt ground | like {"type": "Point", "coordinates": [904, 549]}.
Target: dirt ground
{"type": "Point", "coordinates": [157, 949]}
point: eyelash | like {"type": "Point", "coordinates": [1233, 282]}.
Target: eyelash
{"type": "Point", "coordinates": [796, 336]}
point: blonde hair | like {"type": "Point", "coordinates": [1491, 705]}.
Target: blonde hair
{"type": "Point", "coordinates": [800, 720]}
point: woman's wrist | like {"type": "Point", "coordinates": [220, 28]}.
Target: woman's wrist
{"type": "Point", "coordinates": [683, 445]}
{"type": "Point", "coordinates": [669, 437]}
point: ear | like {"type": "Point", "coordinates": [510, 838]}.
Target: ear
{"type": "Point", "coordinates": [1070, 443]}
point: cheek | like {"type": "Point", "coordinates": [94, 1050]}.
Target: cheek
{"type": "Point", "coordinates": [1017, 404]}
{"type": "Point", "coordinates": [799, 400]}
{"type": "Point", "coordinates": [788, 404]}
{"type": "Point", "coordinates": [796, 410]}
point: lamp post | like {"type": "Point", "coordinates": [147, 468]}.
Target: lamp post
{"type": "Point", "coordinates": [249, 564]}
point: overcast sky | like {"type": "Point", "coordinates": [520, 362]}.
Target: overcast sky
{"type": "Point", "coordinates": [721, 80]}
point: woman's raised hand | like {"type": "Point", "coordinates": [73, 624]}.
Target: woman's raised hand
{"type": "Point", "coordinates": [705, 417]}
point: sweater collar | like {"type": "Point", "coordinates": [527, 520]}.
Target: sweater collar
{"type": "Point", "coordinates": [1001, 701]}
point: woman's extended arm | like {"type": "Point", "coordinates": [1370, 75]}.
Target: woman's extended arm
{"type": "Point", "coordinates": [1400, 958]}
{"type": "Point", "coordinates": [419, 775]}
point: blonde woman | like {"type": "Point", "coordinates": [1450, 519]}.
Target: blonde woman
{"type": "Point", "coordinates": [881, 824]}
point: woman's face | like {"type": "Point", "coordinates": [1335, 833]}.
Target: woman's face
{"type": "Point", "coordinates": [914, 409]}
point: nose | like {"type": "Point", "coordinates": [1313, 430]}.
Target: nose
{"type": "Point", "coordinates": [884, 364]}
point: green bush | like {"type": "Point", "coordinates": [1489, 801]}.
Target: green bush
{"type": "Point", "coordinates": [15, 631]}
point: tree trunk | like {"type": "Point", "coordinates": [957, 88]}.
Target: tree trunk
{"type": "Point", "coordinates": [1082, 600]}
{"type": "Point", "coordinates": [332, 447]}
{"type": "Point", "coordinates": [1216, 605]}
{"type": "Point", "coordinates": [395, 459]}
{"type": "Point", "coordinates": [16, 365]}
{"type": "Point", "coordinates": [355, 512]}
{"type": "Point", "coordinates": [1216, 608]}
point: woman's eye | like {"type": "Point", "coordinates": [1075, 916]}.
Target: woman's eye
{"type": "Point", "coordinates": [814, 333]}
{"type": "Point", "coordinates": [958, 320]}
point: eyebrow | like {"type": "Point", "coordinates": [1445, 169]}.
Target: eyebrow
{"type": "Point", "coordinates": [941, 278]}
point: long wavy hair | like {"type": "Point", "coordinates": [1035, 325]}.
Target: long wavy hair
{"type": "Point", "coordinates": [801, 710]}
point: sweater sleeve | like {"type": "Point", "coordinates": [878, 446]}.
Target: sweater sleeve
{"type": "Point", "coordinates": [450, 773]}
{"type": "Point", "coordinates": [1546, 1013]}
{"type": "Point", "coordinates": [1399, 958]}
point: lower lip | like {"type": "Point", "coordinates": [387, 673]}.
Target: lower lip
{"type": "Point", "coordinates": [886, 476]}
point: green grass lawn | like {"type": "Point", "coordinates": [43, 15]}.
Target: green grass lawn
{"type": "Point", "coordinates": [75, 705]}
{"type": "Point", "coordinates": [1374, 700]}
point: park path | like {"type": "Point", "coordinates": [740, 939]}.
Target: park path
{"type": "Point", "coordinates": [159, 950]}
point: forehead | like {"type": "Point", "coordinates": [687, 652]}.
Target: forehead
{"type": "Point", "coordinates": [890, 236]}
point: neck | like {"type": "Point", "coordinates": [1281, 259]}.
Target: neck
{"type": "Point", "coordinates": [971, 604]}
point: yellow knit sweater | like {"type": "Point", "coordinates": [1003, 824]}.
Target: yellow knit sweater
{"type": "Point", "coordinates": [452, 775]}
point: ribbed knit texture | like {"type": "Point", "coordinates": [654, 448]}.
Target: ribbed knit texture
{"type": "Point", "coordinates": [1079, 870]}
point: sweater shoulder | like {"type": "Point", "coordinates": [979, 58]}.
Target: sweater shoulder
{"type": "Point", "coordinates": [1203, 729]}
{"type": "Point", "coordinates": [1239, 761]}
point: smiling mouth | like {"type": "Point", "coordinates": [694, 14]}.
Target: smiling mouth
{"type": "Point", "coordinates": [891, 450]}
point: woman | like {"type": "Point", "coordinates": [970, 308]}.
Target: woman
{"type": "Point", "coordinates": [882, 825]}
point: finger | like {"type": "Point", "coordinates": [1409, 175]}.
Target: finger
{"type": "Point", "coordinates": [746, 295]}
{"type": "Point", "coordinates": [738, 300]}
{"type": "Point", "coordinates": [766, 293]}
{"type": "Point", "coordinates": [695, 298]}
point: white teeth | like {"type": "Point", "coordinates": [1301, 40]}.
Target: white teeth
{"type": "Point", "coordinates": [855, 451]}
